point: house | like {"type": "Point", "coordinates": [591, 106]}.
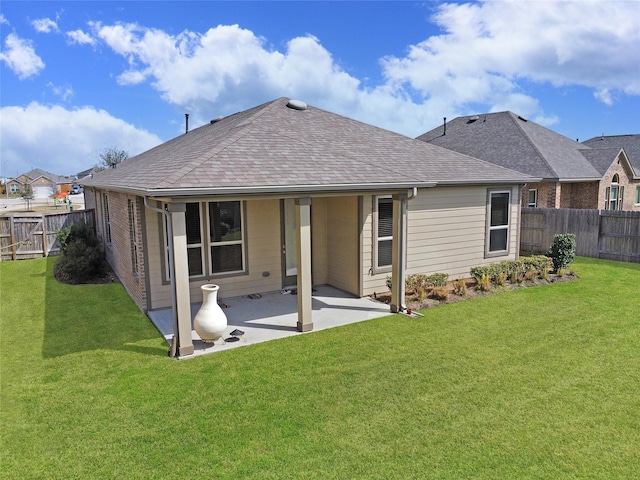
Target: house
{"type": "Point", "coordinates": [628, 174]}
{"type": "Point", "coordinates": [285, 194]}
{"type": "Point", "coordinates": [573, 174]}
{"type": "Point", "coordinates": [44, 184]}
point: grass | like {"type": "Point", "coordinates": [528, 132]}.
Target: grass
{"type": "Point", "coordinates": [539, 383]}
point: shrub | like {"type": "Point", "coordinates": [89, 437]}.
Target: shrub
{"type": "Point", "coordinates": [484, 283]}
{"type": "Point", "coordinates": [440, 293]}
{"type": "Point", "coordinates": [460, 287]}
{"type": "Point", "coordinates": [501, 279]}
{"type": "Point", "coordinates": [531, 274]}
{"type": "Point", "coordinates": [562, 250]}
{"type": "Point", "coordinates": [437, 280]}
{"type": "Point", "coordinates": [389, 283]}
{"type": "Point", "coordinates": [81, 259]}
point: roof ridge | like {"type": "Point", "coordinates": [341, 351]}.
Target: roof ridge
{"type": "Point", "coordinates": [531, 142]}
{"type": "Point", "coordinates": [236, 133]}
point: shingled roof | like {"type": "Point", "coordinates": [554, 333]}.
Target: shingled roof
{"type": "Point", "coordinates": [630, 144]}
{"type": "Point", "coordinates": [511, 141]}
{"type": "Point", "coordinates": [275, 148]}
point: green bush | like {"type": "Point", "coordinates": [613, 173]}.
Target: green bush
{"type": "Point", "coordinates": [82, 259]}
{"type": "Point", "coordinates": [562, 250]}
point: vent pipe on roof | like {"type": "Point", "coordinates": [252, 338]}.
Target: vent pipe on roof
{"type": "Point", "coordinates": [444, 126]}
{"type": "Point", "coordinates": [186, 120]}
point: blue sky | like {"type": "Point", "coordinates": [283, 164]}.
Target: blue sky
{"type": "Point", "coordinates": [80, 77]}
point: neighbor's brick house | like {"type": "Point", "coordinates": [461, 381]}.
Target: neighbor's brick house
{"type": "Point", "coordinates": [601, 173]}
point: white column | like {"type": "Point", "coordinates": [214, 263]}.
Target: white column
{"type": "Point", "coordinates": [398, 256]}
{"type": "Point", "coordinates": [181, 278]}
{"type": "Point", "coordinates": [303, 222]}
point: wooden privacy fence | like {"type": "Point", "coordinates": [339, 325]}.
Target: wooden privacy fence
{"type": "Point", "coordinates": [612, 235]}
{"type": "Point", "coordinates": [33, 235]}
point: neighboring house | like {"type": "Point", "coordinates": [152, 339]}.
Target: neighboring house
{"type": "Point", "coordinates": [612, 184]}
{"type": "Point", "coordinates": [285, 194]}
{"type": "Point", "coordinates": [573, 174]}
{"type": "Point", "coordinates": [43, 184]}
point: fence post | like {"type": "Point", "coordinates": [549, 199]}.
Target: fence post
{"type": "Point", "coordinates": [13, 238]}
{"type": "Point", "coordinates": [45, 246]}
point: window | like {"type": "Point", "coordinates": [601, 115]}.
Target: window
{"type": "Point", "coordinates": [497, 242]}
{"type": "Point", "coordinates": [614, 195]}
{"type": "Point", "coordinates": [195, 254]}
{"type": "Point", "coordinates": [133, 236]}
{"type": "Point", "coordinates": [226, 239]}
{"type": "Point", "coordinates": [533, 198]}
{"type": "Point", "coordinates": [215, 238]}
{"type": "Point", "coordinates": [105, 218]}
{"type": "Point", "coordinates": [14, 188]}
{"type": "Point", "coordinates": [383, 232]}
{"type": "Point", "coordinates": [637, 195]}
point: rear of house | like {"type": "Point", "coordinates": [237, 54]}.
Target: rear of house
{"type": "Point", "coordinates": [285, 196]}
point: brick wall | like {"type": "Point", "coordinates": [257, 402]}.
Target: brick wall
{"type": "Point", "coordinates": [625, 179]}
{"type": "Point", "coordinates": [118, 252]}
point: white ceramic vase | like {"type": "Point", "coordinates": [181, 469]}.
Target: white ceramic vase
{"type": "Point", "coordinates": [210, 321]}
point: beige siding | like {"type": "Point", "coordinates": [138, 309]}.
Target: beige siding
{"type": "Point", "coordinates": [342, 234]}
{"type": "Point", "coordinates": [445, 233]}
{"type": "Point", "coordinates": [263, 258]}
{"type": "Point", "coordinates": [319, 256]}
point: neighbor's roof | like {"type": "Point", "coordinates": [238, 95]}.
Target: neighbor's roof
{"type": "Point", "coordinates": [273, 148]}
{"type": "Point", "coordinates": [511, 141]}
{"type": "Point", "coordinates": [630, 144]}
{"type": "Point", "coordinates": [38, 172]}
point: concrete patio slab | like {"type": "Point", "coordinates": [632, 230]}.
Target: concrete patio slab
{"type": "Point", "coordinates": [274, 315]}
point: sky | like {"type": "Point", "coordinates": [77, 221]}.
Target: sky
{"type": "Point", "coordinates": [78, 78]}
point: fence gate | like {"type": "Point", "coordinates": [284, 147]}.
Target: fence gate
{"type": "Point", "coordinates": [34, 235]}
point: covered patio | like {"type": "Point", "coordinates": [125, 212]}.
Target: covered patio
{"type": "Point", "coordinates": [274, 315]}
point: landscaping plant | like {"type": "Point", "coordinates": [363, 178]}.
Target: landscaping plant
{"type": "Point", "coordinates": [562, 250]}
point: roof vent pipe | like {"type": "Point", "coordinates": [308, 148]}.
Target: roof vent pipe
{"type": "Point", "coordinates": [444, 126]}
{"type": "Point", "coordinates": [186, 120]}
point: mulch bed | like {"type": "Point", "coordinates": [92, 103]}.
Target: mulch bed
{"type": "Point", "coordinates": [413, 302]}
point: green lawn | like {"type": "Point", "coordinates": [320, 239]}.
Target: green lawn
{"type": "Point", "coordinates": [541, 383]}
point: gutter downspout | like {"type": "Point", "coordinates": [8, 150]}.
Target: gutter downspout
{"type": "Point", "coordinates": [399, 264]}
{"type": "Point", "coordinates": [172, 276]}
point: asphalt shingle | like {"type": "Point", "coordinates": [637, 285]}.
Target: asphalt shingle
{"type": "Point", "coordinates": [274, 145]}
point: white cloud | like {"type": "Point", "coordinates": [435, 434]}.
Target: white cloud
{"type": "Point", "coordinates": [488, 48]}
{"type": "Point", "coordinates": [3, 20]}
{"type": "Point", "coordinates": [20, 56]}
{"type": "Point", "coordinates": [44, 25]}
{"type": "Point", "coordinates": [64, 141]}
{"type": "Point", "coordinates": [81, 38]}
{"type": "Point", "coordinates": [488, 55]}
{"type": "Point", "coordinates": [65, 93]}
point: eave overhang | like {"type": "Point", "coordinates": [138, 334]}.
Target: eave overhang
{"type": "Point", "coordinates": [260, 190]}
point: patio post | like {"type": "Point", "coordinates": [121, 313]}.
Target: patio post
{"type": "Point", "coordinates": [181, 281]}
{"type": "Point", "coordinates": [398, 255]}
{"type": "Point", "coordinates": [303, 221]}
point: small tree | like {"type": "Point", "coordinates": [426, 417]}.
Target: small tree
{"type": "Point", "coordinates": [112, 157]}
{"type": "Point", "coordinates": [562, 250]}
{"type": "Point", "coordinates": [26, 192]}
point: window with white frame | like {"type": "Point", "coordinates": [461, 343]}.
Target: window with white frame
{"type": "Point", "coordinates": [106, 218]}
{"type": "Point", "coordinates": [383, 232]}
{"type": "Point", "coordinates": [133, 243]}
{"type": "Point", "coordinates": [498, 222]}
{"type": "Point", "coordinates": [215, 238]}
{"type": "Point", "coordinates": [533, 198]}
{"type": "Point", "coordinates": [614, 195]}
{"type": "Point", "coordinates": [637, 195]}
{"type": "Point", "coordinates": [14, 188]}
